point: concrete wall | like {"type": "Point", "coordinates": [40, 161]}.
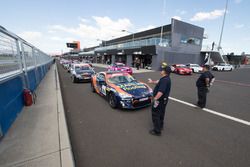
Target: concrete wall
{"type": "Point", "coordinates": [11, 95]}
{"type": "Point", "coordinates": [178, 52]}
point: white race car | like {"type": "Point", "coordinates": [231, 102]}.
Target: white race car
{"type": "Point", "coordinates": [223, 67]}
{"type": "Point", "coordinates": [195, 68]}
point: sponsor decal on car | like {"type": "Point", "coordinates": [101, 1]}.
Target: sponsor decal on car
{"type": "Point", "coordinates": [132, 86]}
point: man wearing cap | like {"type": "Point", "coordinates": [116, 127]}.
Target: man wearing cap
{"type": "Point", "coordinates": [203, 83]}
{"type": "Point", "coordinates": [160, 93]}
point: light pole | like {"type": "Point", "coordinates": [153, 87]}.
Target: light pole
{"type": "Point", "coordinates": [133, 35]}
{"type": "Point", "coordinates": [222, 28]}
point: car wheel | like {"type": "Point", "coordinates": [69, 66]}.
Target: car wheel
{"type": "Point", "coordinates": [231, 69]}
{"type": "Point", "coordinates": [222, 69]}
{"type": "Point", "coordinates": [73, 78]}
{"type": "Point", "coordinates": [92, 87]}
{"type": "Point", "coordinates": [112, 100]}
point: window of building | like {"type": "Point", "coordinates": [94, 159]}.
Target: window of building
{"type": "Point", "coordinates": [190, 40]}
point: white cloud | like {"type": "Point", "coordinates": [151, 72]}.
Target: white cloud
{"type": "Point", "coordinates": [239, 26]}
{"type": "Point", "coordinates": [176, 17]}
{"type": "Point", "coordinates": [237, 1]}
{"type": "Point", "coordinates": [83, 20]}
{"type": "Point", "coordinates": [30, 36]}
{"type": "Point", "coordinates": [104, 28]}
{"type": "Point", "coordinates": [200, 16]}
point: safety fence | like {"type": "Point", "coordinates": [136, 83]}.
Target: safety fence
{"type": "Point", "coordinates": [22, 66]}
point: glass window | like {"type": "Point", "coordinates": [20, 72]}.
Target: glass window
{"type": "Point", "coordinates": [190, 40]}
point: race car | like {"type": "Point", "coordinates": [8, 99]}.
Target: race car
{"type": "Point", "coordinates": [81, 72]}
{"type": "Point", "coordinates": [223, 67]}
{"type": "Point", "coordinates": [120, 67]}
{"type": "Point", "coordinates": [195, 68]}
{"type": "Point", "coordinates": [181, 69]}
{"type": "Point", "coordinates": [121, 90]}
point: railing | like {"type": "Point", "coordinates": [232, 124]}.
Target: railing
{"type": "Point", "coordinates": [17, 55]}
{"type": "Point", "coordinates": [136, 44]}
{"type": "Point", "coordinates": [21, 66]}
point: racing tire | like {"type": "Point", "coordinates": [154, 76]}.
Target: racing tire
{"type": "Point", "coordinates": [74, 80]}
{"type": "Point", "coordinates": [112, 100]}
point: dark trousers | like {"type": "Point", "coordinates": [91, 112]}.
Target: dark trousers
{"type": "Point", "coordinates": [202, 96]}
{"type": "Point", "coordinates": [137, 66]}
{"type": "Point", "coordinates": [158, 115]}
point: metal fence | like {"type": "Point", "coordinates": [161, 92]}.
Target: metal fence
{"type": "Point", "coordinates": [17, 55]}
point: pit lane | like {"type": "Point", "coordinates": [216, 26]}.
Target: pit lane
{"type": "Point", "coordinates": [102, 136]}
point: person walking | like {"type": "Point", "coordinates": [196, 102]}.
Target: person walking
{"type": "Point", "coordinates": [160, 99]}
{"type": "Point", "coordinates": [137, 63]}
{"type": "Point", "coordinates": [203, 84]}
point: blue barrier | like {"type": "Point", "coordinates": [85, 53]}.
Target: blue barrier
{"type": "Point", "coordinates": [11, 102]}
{"type": "Point", "coordinates": [32, 79]}
{"type": "Point", "coordinates": [11, 97]}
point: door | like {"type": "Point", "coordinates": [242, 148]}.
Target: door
{"type": "Point", "coordinates": [101, 84]}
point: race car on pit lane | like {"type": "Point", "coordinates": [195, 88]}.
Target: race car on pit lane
{"type": "Point", "coordinates": [120, 67]}
{"type": "Point", "coordinates": [81, 72]}
{"type": "Point", "coordinates": [181, 69]}
{"type": "Point", "coordinates": [121, 90]}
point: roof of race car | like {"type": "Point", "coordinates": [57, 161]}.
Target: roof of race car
{"type": "Point", "coordinates": [81, 64]}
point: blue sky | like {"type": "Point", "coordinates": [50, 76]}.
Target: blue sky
{"type": "Point", "coordinates": [49, 24]}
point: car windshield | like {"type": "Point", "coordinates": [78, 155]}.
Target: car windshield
{"type": "Point", "coordinates": [120, 65]}
{"type": "Point", "coordinates": [181, 66]}
{"type": "Point", "coordinates": [120, 78]}
{"type": "Point", "coordinates": [194, 65]}
{"type": "Point", "coordinates": [81, 68]}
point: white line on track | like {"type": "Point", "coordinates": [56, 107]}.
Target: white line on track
{"type": "Point", "coordinates": [213, 112]}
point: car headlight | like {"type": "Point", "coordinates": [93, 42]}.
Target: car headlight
{"type": "Point", "coordinates": [78, 76]}
{"type": "Point", "coordinates": [125, 96]}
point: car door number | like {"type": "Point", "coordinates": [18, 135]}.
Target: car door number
{"type": "Point", "coordinates": [103, 89]}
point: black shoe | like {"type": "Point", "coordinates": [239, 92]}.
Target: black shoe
{"type": "Point", "coordinates": [153, 132]}
{"type": "Point", "coordinates": [199, 107]}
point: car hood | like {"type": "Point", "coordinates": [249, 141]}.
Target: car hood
{"type": "Point", "coordinates": [186, 69]}
{"type": "Point", "coordinates": [136, 89]}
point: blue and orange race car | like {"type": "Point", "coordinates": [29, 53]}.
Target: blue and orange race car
{"type": "Point", "coordinates": [121, 90]}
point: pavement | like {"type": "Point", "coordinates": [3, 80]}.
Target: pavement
{"type": "Point", "coordinates": [106, 137]}
{"type": "Point", "coordinates": [135, 71]}
{"type": "Point", "coordinates": [39, 135]}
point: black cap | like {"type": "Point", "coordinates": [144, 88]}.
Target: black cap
{"type": "Point", "coordinates": [167, 69]}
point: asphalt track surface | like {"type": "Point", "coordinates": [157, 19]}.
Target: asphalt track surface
{"type": "Point", "coordinates": [106, 137]}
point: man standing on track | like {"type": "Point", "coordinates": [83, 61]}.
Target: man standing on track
{"type": "Point", "coordinates": [160, 93]}
{"type": "Point", "coordinates": [203, 83]}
